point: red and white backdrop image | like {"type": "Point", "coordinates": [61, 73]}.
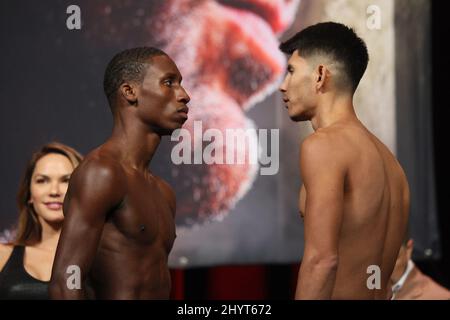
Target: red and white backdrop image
{"type": "Point", "coordinates": [227, 52]}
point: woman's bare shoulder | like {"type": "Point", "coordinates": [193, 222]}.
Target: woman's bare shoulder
{"type": "Point", "coordinates": [5, 253]}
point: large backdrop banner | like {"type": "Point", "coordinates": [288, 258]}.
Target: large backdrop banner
{"type": "Point", "coordinates": [234, 166]}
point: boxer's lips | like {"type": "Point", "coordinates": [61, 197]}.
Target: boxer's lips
{"type": "Point", "coordinates": [184, 110]}
{"type": "Point", "coordinates": [183, 113]}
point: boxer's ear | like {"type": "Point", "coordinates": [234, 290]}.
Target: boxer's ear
{"type": "Point", "coordinates": [321, 76]}
{"type": "Point", "coordinates": [129, 92]}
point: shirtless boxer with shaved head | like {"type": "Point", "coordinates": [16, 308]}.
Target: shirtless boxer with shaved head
{"type": "Point", "coordinates": [119, 218]}
{"type": "Point", "coordinates": [355, 195]}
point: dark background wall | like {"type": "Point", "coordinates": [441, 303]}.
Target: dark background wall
{"type": "Point", "coordinates": [440, 72]}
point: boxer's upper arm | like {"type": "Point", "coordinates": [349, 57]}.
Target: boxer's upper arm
{"type": "Point", "coordinates": [94, 190]}
{"type": "Point", "coordinates": [323, 171]}
{"type": "Point", "coordinates": [302, 201]}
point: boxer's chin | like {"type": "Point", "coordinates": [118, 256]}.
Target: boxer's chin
{"type": "Point", "coordinates": [169, 129]}
{"type": "Point", "coordinates": [299, 117]}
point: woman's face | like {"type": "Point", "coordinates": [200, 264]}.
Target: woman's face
{"type": "Point", "coordinates": [48, 186]}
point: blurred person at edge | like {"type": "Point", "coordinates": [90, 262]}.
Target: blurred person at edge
{"type": "Point", "coordinates": [409, 283]}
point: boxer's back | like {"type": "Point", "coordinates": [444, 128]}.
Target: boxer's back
{"type": "Point", "coordinates": [376, 207]}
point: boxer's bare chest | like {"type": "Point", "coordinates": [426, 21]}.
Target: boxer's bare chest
{"type": "Point", "coordinates": [145, 215]}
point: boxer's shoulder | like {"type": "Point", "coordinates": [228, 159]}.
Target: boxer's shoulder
{"type": "Point", "coordinates": [322, 144]}
{"type": "Point", "coordinates": [102, 167]}
{"type": "Point", "coordinates": [99, 177]}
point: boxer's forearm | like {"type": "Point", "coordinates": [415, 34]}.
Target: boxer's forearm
{"type": "Point", "coordinates": [58, 290]}
{"type": "Point", "coordinates": [316, 279]}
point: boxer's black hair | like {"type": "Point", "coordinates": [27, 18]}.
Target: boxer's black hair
{"type": "Point", "coordinates": [336, 41]}
{"type": "Point", "coordinates": [128, 65]}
